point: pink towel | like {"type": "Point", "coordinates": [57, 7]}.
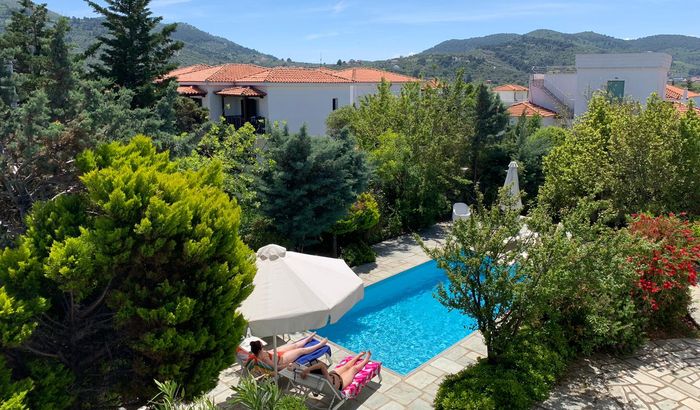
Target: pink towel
{"type": "Point", "coordinates": [363, 377]}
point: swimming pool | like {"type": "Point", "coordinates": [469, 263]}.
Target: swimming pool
{"type": "Point", "coordinates": [400, 321]}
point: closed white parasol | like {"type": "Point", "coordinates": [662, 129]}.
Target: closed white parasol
{"type": "Point", "coordinates": [513, 185]}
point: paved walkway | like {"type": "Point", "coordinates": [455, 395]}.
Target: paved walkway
{"type": "Point", "coordinates": [662, 375]}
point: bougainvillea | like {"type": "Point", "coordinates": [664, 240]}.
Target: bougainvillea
{"type": "Point", "coordinates": [667, 267]}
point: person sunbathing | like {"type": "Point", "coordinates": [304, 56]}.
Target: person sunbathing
{"type": "Point", "coordinates": [285, 354]}
{"type": "Point", "coordinates": [341, 376]}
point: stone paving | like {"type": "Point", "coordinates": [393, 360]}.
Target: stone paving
{"type": "Point", "coordinates": [662, 375]}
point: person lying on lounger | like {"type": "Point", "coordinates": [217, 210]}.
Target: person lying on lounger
{"type": "Point", "coordinates": [285, 354]}
{"type": "Point", "coordinates": [341, 376]}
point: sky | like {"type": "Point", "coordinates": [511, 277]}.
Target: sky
{"type": "Point", "coordinates": [328, 30]}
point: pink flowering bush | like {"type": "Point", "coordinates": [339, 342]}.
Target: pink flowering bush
{"type": "Point", "coordinates": [667, 267]}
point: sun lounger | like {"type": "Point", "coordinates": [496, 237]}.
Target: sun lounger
{"type": "Point", "coordinates": [258, 368]}
{"type": "Point", "coordinates": [319, 384]}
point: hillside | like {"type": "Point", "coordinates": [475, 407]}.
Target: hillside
{"type": "Point", "coordinates": [510, 57]}
{"type": "Point", "coordinates": [200, 47]}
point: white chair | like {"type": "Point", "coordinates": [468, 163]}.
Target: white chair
{"type": "Point", "coordinates": [460, 210]}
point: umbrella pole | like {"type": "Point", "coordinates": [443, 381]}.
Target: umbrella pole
{"type": "Point", "coordinates": [274, 358]}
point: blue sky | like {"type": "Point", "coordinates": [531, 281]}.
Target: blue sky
{"type": "Point", "coordinates": [308, 30]}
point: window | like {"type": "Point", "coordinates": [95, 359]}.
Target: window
{"type": "Point", "coordinates": [335, 104]}
{"type": "Point", "coordinates": [616, 89]}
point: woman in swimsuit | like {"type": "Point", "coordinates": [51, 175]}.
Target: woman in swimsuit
{"type": "Point", "coordinates": [285, 354]}
{"type": "Point", "coordinates": [341, 376]}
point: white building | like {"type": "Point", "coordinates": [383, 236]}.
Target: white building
{"type": "Point", "coordinates": [298, 96]}
{"type": "Point", "coordinates": [633, 76]}
{"type": "Point", "coordinates": [511, 93]}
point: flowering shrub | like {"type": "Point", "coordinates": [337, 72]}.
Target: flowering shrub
{"type": "Point", "coordinates": [667, 267]}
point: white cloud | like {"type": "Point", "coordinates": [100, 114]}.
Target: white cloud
{"type": "Point", "coordinates": [316, 36]}
{"type": "Point", "coordinates": [334, 8]}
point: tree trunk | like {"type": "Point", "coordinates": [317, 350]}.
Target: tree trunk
{"type": "Point", "coordinates": [335, 245]}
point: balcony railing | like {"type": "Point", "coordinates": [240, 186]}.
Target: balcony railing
{"type": "Point", "coordinates": [258, 122]}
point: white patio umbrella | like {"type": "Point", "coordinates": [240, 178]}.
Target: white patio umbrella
{"type": "Point", "coordinates": [296, 292]}
{"type": "Point", "coordinates": [513, 185]}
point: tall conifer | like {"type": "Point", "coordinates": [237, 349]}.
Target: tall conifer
{"type": "Point", "coordinates": [134, 53]}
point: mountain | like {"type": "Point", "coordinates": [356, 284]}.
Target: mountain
{"type": "Point", "coordinates": [510, 57]}
{"type": "Point", "coordinates": [200, 47]}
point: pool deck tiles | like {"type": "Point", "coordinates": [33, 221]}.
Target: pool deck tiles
{"type": "Point", "coordinates": [663, 374]}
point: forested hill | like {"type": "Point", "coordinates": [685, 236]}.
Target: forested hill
{"type": "Point", "coordinates": [510, 57]}
{"type": "Point", "coordinates": [200, 47]}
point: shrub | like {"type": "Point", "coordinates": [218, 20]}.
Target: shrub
{"type": "Point", "coordinates": [358, 253]}
{"type": "Point", "coordinates": [667, 267]}
{"type": "Point", "coordinates": [136, 279]}
{"type": "Point", "coordinates": [264, 395]}
{"type": "Point", "coordinates": [523, 376]}
{"type": "Point", "coordinates": [588, 283]}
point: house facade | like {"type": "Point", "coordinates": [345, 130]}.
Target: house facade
{"type": "Point", "coordinates": [632, 77]}
{"type": "Point", "coordinates": [294, 95]}
{"type": "Point", "coordinates": [511, 93]}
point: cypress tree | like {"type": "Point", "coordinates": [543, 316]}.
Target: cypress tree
{"type": "Point", "coordinates": [60, 70]}
{"type": "Point", "coordinates": [133, 53]}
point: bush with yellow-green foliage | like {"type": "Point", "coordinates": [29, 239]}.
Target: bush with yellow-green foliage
{"type": "Point", "coordinates": [135, 278]}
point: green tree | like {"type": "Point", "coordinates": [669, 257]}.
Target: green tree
{"type": "Point", "coordinates": [530, 154]}
{"type": "Point", "coordinates": [487, 158]}
{"type": "Point", "coordinates": [485, 261]}
{"type": "Point", "coordinates": [418, 142]}
{"type": "Point", "coordinates": [362, 216]}
{"type": "Point", "coordinates": [60, 74]}
{"type": "Point", "coordinates": [311, 184]}
{"type": "Point", "coordinates": [136, 279]}
{"type": "Point", "coordinates": [637, 158]}
{"type": "Point", "coordinates": [27, 38]}
{"type": "Point", "coordinates": [134, 53]}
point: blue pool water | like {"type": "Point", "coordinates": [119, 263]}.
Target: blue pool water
{"type": "Point", "coordinates": [400, 321]}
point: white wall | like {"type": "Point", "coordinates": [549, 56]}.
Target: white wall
{"type": "Point", "coordinates": [295, 104]}
{"type": "Point", "coordinates": [299, 104]}
{"type": "Point", "coordinates": [563, 86]}
{"type": "Point", "coordinates": [643, 74]}
{"type": "Point", "coordinates": [509, 98]}
{"type": "Point", "coordinates": [364, 89]}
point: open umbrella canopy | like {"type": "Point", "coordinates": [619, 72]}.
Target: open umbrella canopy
{"type": "Point", "coordinates": [295, 292]}
{"type": "Point", "coordinates": [513, 185]}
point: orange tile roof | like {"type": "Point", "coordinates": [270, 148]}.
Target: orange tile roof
{"type": "Point", "coordinates": [510, 87]}
{"type": "Point", "coordinates": [248, 73]}
{"type": "Point", "coordinates": [683, 108]}
{"type": "Point", "coordinates": [242, 92]}
{"type": "Point", "coordinates": [373, 75]}
{"type": "Point", "coordinates": [190, 90]}
{"type": "Point", "coordinates": [234, 72]}
{"type": "Point", "coordinates": [529, 109]}
{"type": "Point", "coordinates": [676, 93]}
{"type": "Point", "coordinates": [294, 75]}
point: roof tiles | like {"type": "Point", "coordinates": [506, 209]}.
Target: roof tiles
{"type": "Point", "coordinates": [510, 87]}
{"type": "Point", "coordinates": [529, 110]}
{"type": "Point", "coordinates": [676, 93]}
{"type": "Point", "coordinates": [249, 73]}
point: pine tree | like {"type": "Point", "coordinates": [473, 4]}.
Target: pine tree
{"type": "Point", "coordinates": [134, 54]}
{"type": "Point", "coordinates": [312, 184]}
